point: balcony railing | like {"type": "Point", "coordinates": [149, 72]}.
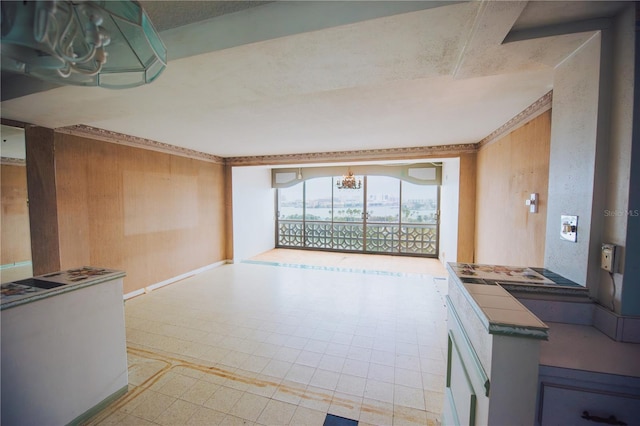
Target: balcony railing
{"type": "Point", "coordinates": [414, 238]}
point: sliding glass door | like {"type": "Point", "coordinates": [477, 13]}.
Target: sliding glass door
{"type": "Point", "coordinates": [385, 215]}
{"type": "Point", "coordinates": [419, 219]}
{"type": "Point", "coordinates": [318, 213]}
{"type": "Point", "coordinates": [348, 217]}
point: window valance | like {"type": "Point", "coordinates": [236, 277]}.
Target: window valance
{"type": "Point", "coordinates": [420, 173]}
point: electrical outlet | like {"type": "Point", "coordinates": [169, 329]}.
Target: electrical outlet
{"type": "Point", "coordinates": [608, 260]}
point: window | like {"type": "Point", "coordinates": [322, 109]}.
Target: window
{"type": "Point", "coordinates": [385, 215]}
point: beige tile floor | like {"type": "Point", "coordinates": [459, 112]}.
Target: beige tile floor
{"type": "Point", "coordinates": [256, 343]}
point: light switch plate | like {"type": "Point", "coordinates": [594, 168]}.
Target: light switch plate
{"type": "Point", "coordinates": [569, 228]}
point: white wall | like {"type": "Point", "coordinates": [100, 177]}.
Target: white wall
{"type": "Point", "coordinates": [572, 159]}
{"type": "Point", "coordinates": [449, 198]}
{"type": "Point", "coordinates": [590, 161]}
{"type": "Point", "coordinates": [253, 212]}
{"type": "Point", "coordinates": [616, 214]}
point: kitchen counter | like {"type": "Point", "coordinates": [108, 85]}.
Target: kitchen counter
{"type": "Point", "coordinates": [494, 341]}
{"type": "Point", "coordinates": [497, 310]}
{"type": "Point", "coordinates": [523, 350]}
{"type": "Point", "coordinates": [63, 346]}
{"type": "Point", "coordinates": [488, 289]}
{"type": "Point", "coordinates": [522, 279]}
{"type": "Point", "coordinates": [31, 289]}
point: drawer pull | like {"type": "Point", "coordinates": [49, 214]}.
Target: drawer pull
{"type": "Point", "coordinates": [611, 420]}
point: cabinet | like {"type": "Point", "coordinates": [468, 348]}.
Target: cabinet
{"type": "Point", "coordinates": [508, 367]}
{"type": "Point", "coordinates": [492, 360]}
{"type": "Point", "coordinates": [577, 397]}
{"type": "Point", "coordinates": [63, 347]}
{"type": "Point", "coordinates": [466, 379]}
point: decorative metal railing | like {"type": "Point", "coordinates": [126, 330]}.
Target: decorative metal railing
{"type": "Point", "coordinates": [416, 239]}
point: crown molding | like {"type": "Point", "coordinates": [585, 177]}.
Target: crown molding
{"type": "Point", "coordinates": [8, 161]}
{"type": "Point", "coordinates": [422, 152]}
{"type": "Point", "coordinates": [532, 111]}
{"type": "Point", "coordinates": [360, 155]}
{"type": "Point", "coordinates": [136, 142]}
{"type": "Point", "coordinates": [272, 160]}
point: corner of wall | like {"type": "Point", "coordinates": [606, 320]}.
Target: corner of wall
{"type": "Point", "coordinates": [631, 285]}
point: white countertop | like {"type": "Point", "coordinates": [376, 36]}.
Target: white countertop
{"type": "Point", "coordinates": [500, 307]}
{"type": "Point", "coordinates": [584, 347]}
{"type": "Point", "coordinates": [497, 309]}
{"type": "Point", "coordinates": [26, 291]}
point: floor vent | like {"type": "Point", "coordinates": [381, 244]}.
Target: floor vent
{"type": "Point", "coordinates": [332, 420]}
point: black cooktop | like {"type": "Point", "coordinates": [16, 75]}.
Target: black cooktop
{"type": "Point", "coordinates": [34, 282]}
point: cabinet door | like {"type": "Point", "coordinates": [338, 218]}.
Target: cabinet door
{"type": "Point", "coordinates": [460, 393]}
{"type": "Point", "coordinates": [567, 405]}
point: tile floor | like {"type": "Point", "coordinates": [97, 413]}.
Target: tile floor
{"type": "Point", "coordinates": [355, 261]}
{"type": "Point", "coordinates": [258, 343]}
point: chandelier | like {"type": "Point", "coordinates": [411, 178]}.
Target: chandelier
{"type": "Point", "coordinates": [349, 182]}
{"type": "Point", "coordinates": [81, 42]}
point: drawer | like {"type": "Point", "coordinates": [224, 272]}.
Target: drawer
{"type": "Point", "coordinates": [565, 405]}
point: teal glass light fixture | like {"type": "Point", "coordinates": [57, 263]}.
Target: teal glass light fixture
{"type": "Point", "coordinates": [108, 43]}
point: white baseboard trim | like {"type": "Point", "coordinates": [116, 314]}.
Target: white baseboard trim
{"type": "Point", "coordinates": [180, 277]}
{"type": "Point", "coordinates": [134, 293]}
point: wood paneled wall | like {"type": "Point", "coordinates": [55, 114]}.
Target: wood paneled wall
{"type": "Point", "coordinates": [508, 170]}
{"type": "Point", "coordinates": [154, 215]}
{"type": "Point", "coordinates": [467, 208]}
{"type": "Point", "coordinates": [16, 239]}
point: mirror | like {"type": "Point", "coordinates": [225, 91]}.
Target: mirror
{"type": "Point", "coordinates": [15, 249]}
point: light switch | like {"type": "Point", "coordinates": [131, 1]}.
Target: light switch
{"type": "Point", "coordinates": [569, 228]}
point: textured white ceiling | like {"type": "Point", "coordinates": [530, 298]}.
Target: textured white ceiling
{"type": "Point", "coordinates": [428, 77]}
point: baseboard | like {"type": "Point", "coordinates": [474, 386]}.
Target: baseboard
{"type": "Point", "coordinates": [617, 327]}
{"type": "Point", "coordinates": [82, 418]}
{"type": "Point", "coordinates": [134, 293]}
{"type": "Point", "coordinates": [180, 277]}
{"type": "Point", "coordinates": [15, 265]}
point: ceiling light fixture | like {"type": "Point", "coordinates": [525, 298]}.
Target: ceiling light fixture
{"type": "Point", "coordinates": [349, 182]}
{"type": "Point", "coordinates": [86, 43]}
